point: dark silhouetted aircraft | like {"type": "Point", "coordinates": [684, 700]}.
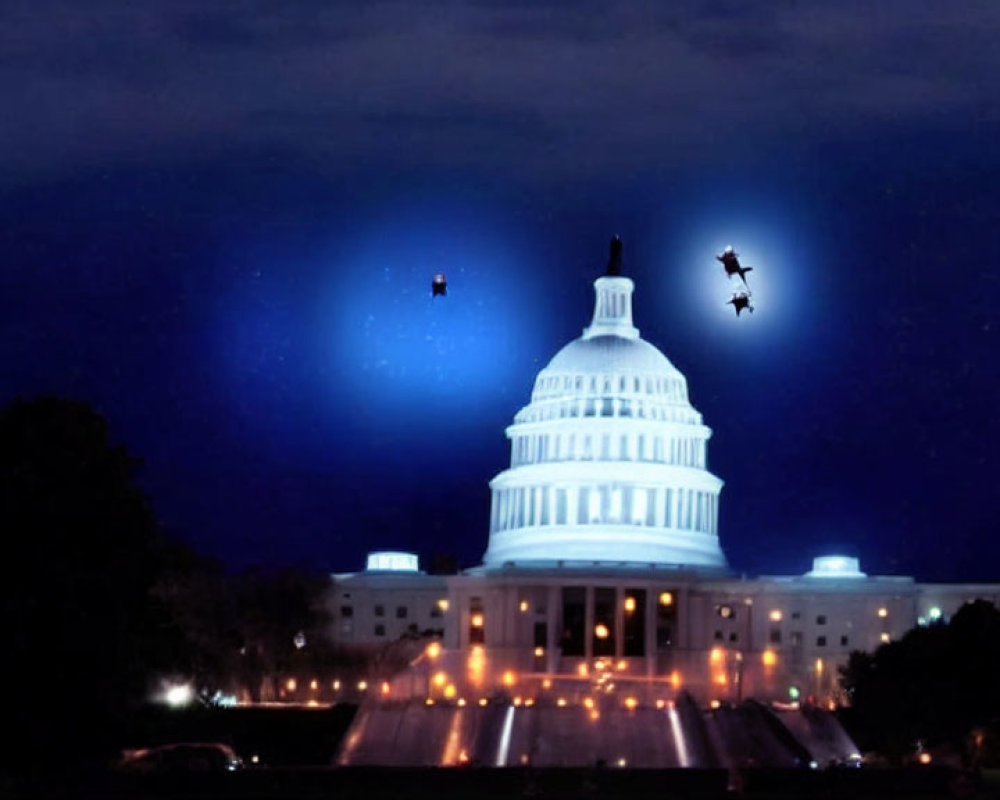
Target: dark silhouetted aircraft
{"type": "Point", "coordinates": [439, 285]}
{"type": "Point", "coordinates": [740, 300]}
{"type": "Point", "coordinates": [731, 261]}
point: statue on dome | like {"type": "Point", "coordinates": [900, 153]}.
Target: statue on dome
{"type": "Point", "coordinates": [740, 300]}
{"type": "Point", "coordinates": [439, 285]}
{"type": "Point", "coordinates": [615, 257]}
{"type": "Point", "coordinates": [731, 262]}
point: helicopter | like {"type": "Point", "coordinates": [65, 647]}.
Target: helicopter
{"type": "Point", "coordinates": [439, 285]}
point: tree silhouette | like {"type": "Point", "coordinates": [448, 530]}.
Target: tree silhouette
{"type": "Point", "coordinates": [81, 555]}
{"type": "Point", "coordinates": [934, 685]}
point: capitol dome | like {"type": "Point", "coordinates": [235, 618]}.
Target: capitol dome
{"type": "Point", "coordinates": [608, 458]}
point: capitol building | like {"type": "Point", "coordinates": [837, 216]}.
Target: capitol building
{"type": "Point", "coordinates": [603, 565]}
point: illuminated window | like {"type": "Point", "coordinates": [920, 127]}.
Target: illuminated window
{"type": "Point", "coordinates": [666, 599]}
{"type": "Point", "coordinates": [775, 616]}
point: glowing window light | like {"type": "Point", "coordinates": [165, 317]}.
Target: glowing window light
{"type": "Point", "coordinates": [483, 701]}
{"type": "Point", "coordinates": [601, 631]}
{"type": "Point", "coordinates": [588, 702]}
{"type": "Point", "coordinates": [714, 704]}
{"type": "Point", "coordinates": [440, 679]}
{"type": "Point", "coordinates": [477, 620]}
{"type": "Point", "coordinates": [539, 652]}
{"type": "Point", "coordinates": [661, 703]}
{"type": "Point", "coordinates": [291, 684]}
{"type": "Point", "coordinates": [336, 686]}
{"type": "Point", "coordinates": [561, 702]}
{"type": "Point", "coordinates": [312, 703]}
{"type": "Point", "coordinates": [314, 685]}
{"type": "Point", "coordinates": [433, 650]}
{"type": "Point", "coordinates": [443, 604]}
{"type": "Point", "coordinates": [509, 678]}
{"type": "Point", "coordinates": [599, 665]}
{"type": "Point", "coordinates": [726, 612]}
{"type": "Point", "coordinates": [450, 691]}
{"type": "Point", "coordinates": [721, 679]}
{"type": "Point", "coordinates": [629, 604]}
{"type": "Point", "coordinates": [595, 715]}
{"type": "Point", "coordinates": [362, 685]}
{"type": "Point", "coordinates": [883, 612]}
{"type": "Point", "coordinates": [775, 615]}
{"type": "Point", "coordinates": [547, 683]}
{"type": "Point", "coordinates": [529, 702]}
{"type": "Point", "coordinates": [819, 666]}
{"type": "Point", "coordinates": [517, 700]}
{"type": "Point", "coordinates": [631, 703]}
{"type": "Point", "coordinates": [581, 670]}
{"type": "Point", "coordinates": [622, 762]}
{"type": "Point", "coordinates": [666, 598]}
{"type": "Point", "coordinates": [385, 687]}
{"type": "Point", "coordinates": [524, 605]}
{"type": "Point", "coordinates": [622, 665]}
{"type": "Point", "coordinates": [716, 655]}
{"type": "Point", "coordinates": [769, 658]}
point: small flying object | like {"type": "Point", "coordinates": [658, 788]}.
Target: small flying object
{"type": "Point", "coordinates": [731, 262]}
{"type": "Point", "coordinates": [740, 300]}
{"type": "Point", "coordinates": [439, 285]}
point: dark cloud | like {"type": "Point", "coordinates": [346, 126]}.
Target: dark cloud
{"type": "Point", "coordinates": [607, 85]}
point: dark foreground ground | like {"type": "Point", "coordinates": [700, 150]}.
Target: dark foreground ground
{"type": "Point", "coordinates": [561, 784]}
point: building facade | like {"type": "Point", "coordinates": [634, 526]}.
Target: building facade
{"type": "Point", "coordinates": [603, 562]}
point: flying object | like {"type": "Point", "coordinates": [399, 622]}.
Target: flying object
{"type": "Point", "coordinates": [731, 262]}
{"type": "Point", "coordinates": [439, 285]}
{"type": "Point", "coordinates": [740, 300]}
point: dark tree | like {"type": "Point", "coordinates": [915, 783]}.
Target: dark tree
{"type": "Point", "coordinates": [273, 606]}
{"type": "Point", "coordinates": [80, 558]}
{"type": "Point", "coordinates": [935, 684]}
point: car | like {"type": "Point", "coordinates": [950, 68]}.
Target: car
{"type": "Point", "coordinates": [181, 758]}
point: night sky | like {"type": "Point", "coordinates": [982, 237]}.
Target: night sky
{"type": "Point", "coordinates": [219, 222]}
